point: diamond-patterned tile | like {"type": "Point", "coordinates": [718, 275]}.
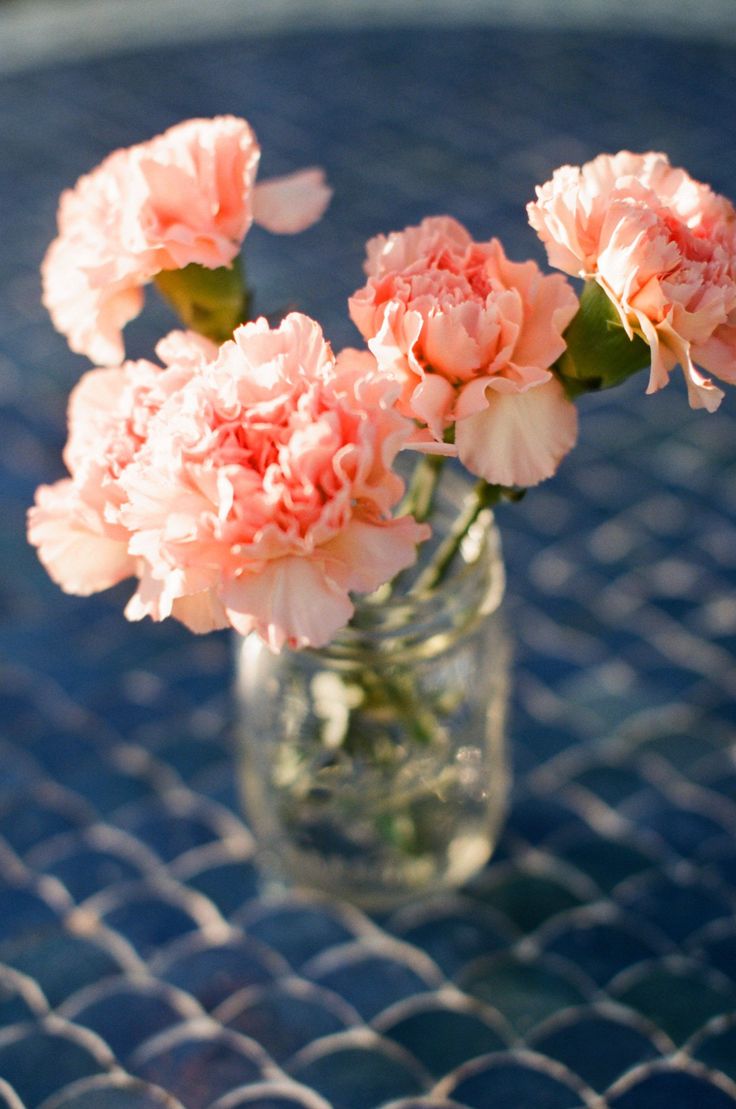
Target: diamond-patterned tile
{"type": "Point", "coordinates": [141, 965]}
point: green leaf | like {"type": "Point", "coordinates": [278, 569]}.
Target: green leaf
{"type": "Point", "coordinates": [599, 353]}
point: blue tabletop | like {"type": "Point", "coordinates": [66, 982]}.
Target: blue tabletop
{"type": "Point", "coordinates": [593, 963]}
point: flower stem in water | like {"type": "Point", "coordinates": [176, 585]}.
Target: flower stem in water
{"type": "Point", "coordinates": [482, 496]}
{"type": "Point", "coordinates": [420, 495]}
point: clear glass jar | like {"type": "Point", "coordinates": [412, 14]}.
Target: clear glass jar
{"type": "Point", "coordinates": [374, 769]}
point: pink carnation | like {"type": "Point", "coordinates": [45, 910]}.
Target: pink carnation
{"type": "Point", "coordinates": [471, 336]}
{"type": "Point", "coordinates": [262, 495]}
{"type": "Point", "coordinates": [186, 196]}
{"type": "Point", "coordinates": [75, 523]}
{"type": "Point", "coordinates": [662, 247]}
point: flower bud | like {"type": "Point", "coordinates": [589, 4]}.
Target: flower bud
{"type": "Point", "coordinates": [210, 302]}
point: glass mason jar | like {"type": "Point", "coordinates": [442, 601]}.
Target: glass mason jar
{"type": "Point", "coordinates": [374, 769]}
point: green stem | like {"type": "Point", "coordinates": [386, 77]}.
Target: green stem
{"type": "Point", "coordinates": [483, 496]}
{"type": "Point", "coordinates": [419, 499]}
{"type": "Point", "coordinates": [397, 693]}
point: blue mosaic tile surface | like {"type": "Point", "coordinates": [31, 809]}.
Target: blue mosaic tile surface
{"type": "Point", "coordinates": [593, 963]}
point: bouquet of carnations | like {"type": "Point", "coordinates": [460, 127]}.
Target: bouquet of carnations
{"type": "Point", "coordinates": [248, 477]}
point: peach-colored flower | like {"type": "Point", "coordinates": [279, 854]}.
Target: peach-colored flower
{"type": "Point", "coordinates": [662, 246]}
{"type": "Point", "coordinates": [188, 195]}
{"type": "Point", "coordinates": [75, 523]}
{"type": "Point", "coordinates": [471, 336]}
{"type": "Point", "coordinates": [262, 495]}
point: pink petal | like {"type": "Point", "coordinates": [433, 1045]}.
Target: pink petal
{"type": "Point", "coordinates": [177, 594]}
{"type": "Point", "coordinates": [290, 601]}
{"type": "Point", "coordinates": [423, 441]}
{"type": "Point", "coordinates": [91, 318]}
{"type": "Point", "coordinates": [474, 396]}
{"type": "Point", "coordinates": [520, 438]}
{"type": "Point", "coordinates": [72, 542]}
{"type": "Point", "coordinates": [286, 205]}
{"type": "Point", "coordinates": [373, 553]}
{"type": "Point", "coordinates": [701, 391]}
{"type": "Point", "coordinates": [200, 612]}
{"type": "Point", "coordinates": [718, 354]}
{"type": "Point", "coordinates": [448, 347]}
{"type": "Point", "coordinates": [147, 599]}
{"type": "Point", "coordinates": [431, 403]}
{"type": "Point", "coordinates": [397, 334]}
{"type": "Point", "coordinates": [93, 405]}
{"type": "Point", "coordinates": [186, 348]}
{"type": "Point", "coordinates": [548, 314]}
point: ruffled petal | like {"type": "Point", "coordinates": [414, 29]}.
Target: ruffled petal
{"type": "Point", "coordinates": [448, 347]}
{"type": "Point", "coordinates": [367, 554]}
{"type": "Point", "coordinates": [91, 317]}
{"type": "Point", "coordinates": [94, 405]}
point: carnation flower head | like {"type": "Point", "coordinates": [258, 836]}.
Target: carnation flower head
{"type": "Point", "coordinates": [263, 493]}
{"type": "Point", "coordinates": [75, 523]}
{"type": "Point", "coordinates": [186, 196]}
{"type": "Point", "coordinates": [471, 336]}
{"type": "Point", "coordinates": [662, 246]}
